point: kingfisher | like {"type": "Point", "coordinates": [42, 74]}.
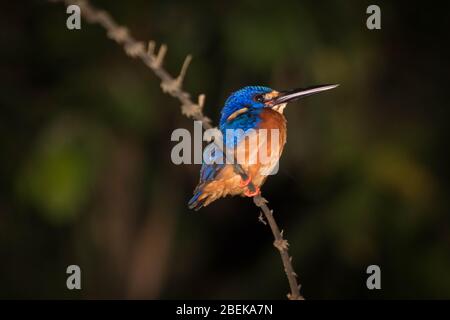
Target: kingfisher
{"type": "Point", "coordinates": [247, 111]}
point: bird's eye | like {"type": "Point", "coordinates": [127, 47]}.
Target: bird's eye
{"type": "Point", "coordinates": [259, 98]}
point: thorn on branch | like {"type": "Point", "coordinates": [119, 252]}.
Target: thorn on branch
{"type": "Point", "coordinates": [261, 219]}
{"type": "Point", "coordinates": [182, 74]}
{"type": "Point", "coordinates": [281, 244]}
{"type": "Point", "coordinates": [171, 86]}
{"type": "Point", "coordinates": [151, 49]}
{"type": "Point", "coordinates": [193, 109]}
{"type": "Point", "coordinates": [160, 56]}
{"type": "Point", "coordinates": [201, 101]}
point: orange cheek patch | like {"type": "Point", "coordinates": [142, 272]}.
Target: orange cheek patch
{"type": "Point", "coordinates": [271, 95]}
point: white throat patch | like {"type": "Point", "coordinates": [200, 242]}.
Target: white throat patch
{"type": "Point", "coordinates": [280, 107]}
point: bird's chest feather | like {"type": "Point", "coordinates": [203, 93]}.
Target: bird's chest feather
{"type": "Point", "coordinates": [259, 144]}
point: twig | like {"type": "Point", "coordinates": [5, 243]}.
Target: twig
{"type": "Point", "coordinates": [282, 245]}
{"type": "Point", "coordinates": [173, 87]}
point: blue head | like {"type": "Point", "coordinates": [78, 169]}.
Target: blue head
{"type": "Point", "coordinates": [249, 100]}
{"type": "Point", "coordinates": [248, 97]}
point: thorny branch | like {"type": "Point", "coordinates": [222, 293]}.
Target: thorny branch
{"type": "Point", "coordinates": [173, 86]}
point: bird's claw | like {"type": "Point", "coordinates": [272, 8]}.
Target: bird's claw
{"type": "Point", "coordinates": [249, 193]}
{"type": "Point", "coordinates": [244, 183]}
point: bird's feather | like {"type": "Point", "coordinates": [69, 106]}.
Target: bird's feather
{"type": "Point", "coordinates": [218, 179]}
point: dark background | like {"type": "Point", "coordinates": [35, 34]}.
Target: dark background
{"type": "Point", "coordinates": [86, 175]}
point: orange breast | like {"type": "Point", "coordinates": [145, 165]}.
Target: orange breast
{"type": "Point", "coordinates": [263, 147]}
{"type": "Point", "coordinates": [271, 119]}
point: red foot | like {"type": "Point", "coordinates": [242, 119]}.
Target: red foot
{"type": "Point", "coordinates": [245, 183]}
{"type": "Point", "coordinates": [248, 193]}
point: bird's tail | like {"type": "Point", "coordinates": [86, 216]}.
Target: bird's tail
{"type": "Point", "coordinates": [197, 202]}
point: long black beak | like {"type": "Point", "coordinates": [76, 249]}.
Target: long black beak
{"type": "Point", "coordinates": [289, 96]}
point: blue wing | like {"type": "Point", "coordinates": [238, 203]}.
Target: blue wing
{"type": "Point", "coordinates": [213, 162]}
